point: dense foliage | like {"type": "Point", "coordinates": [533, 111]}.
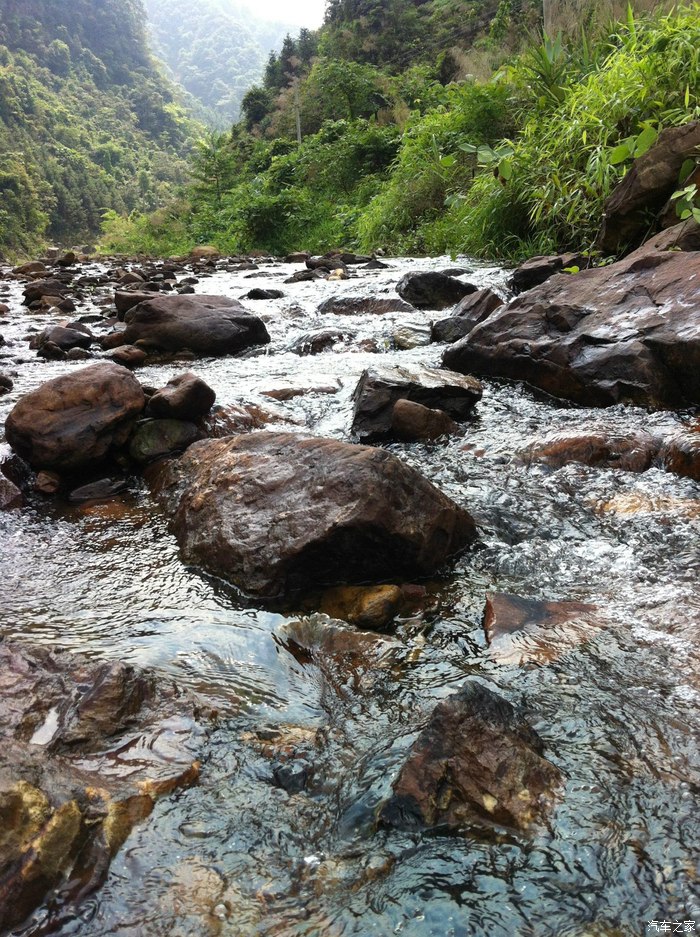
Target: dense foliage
{"type": "Point", "coordinates": [86, 122]}
{"type": "Point", "coordinates": [216, 49]}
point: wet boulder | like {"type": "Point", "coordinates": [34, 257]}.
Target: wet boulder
{"type": "Point", "coordinates": [476, 761]}
{"type": "Point", "coordinates": [381, 387]}
{"type": "Point", "coordinates": [259, 293]}
{"type": "Point", "coordinates": [38, 289]}
{"type": "Point", "coordinates": [206, 325]}
{"type": "Point", "coordinates": [277, 512]}
{"type": "Point", "coordinates": [412, 333]}
{"type": "Point", "coordinates": [75, 420]}
{"type": "Point", "coordinates": [412, 422]}
{"type": "Point", "coordinates": [185, 397]}
{"type": "Point", "coordinates": [128, 356]}
{"type": "Point", "coordinates": [646, 188]}
{"type": "Point", "coordinates": [538, 270]}
{"type": "Point", "coordinates": [362, 305]}
{"type": "Point", "coordinates": [314, 343]}
{"type": "Point", "coordinates": [625, 333]}
{"type": "Point", "coordinates": [125, 300]}
{"type": "Point", "coordinates": [64, 337]}
{"type": "Point", "coordinates": [467, 313]}
{"type": "Point", "coordinates": [6, 384]}
{"type": "Point", "coordinates": [10, 495]}
{"type": "Point", "coordinates": [432, 290]}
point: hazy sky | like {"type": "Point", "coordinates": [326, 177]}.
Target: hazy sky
{"type": "Point", "coordinates": [299, 12]}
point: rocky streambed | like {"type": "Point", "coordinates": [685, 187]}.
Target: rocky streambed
{"type": "Point", "coordinates": [396, 646]}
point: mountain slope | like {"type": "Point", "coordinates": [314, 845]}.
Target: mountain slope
{"type": "Point", "coordinates": [214, 48]}
{"type": "Point", "coordinates": [87, 122]}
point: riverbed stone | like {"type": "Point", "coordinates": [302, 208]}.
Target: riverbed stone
{"type": "Point", "coordinates": [680, 453]}
{"type": "Point", "coordinates": [205, 325]}
{"type": "Point", "coordinates": [469, 312]}
{"type": "Point", "coordinates": [75, 420]}
{"type": "Point", "coordinates": [432, 290]}
{"type": "Point", "coordinates": [380, 387]}
{"type": "Point", "coordinates": [476, 761]}
{"type": "Point", "coordinates": [632, 452]}
{"type": "Point", "coordinates": [10, 495]}
{"type": "Point", "coordinates": [125, 300]}
{"type": "Point", "coordinates": [153, 439]}
{"type": "Point", "coordinates": [184, 397]}
{"type": "Point", "coordinates": [278, 512]}
{"type": "Point", "coordinates": [537, 270]}
{"type": "Point", "coordinates": [412, 422]}
{"type": "Point", "coordinates": [625, 333]}
{"type": "Point", "coordinates": [363, 305]}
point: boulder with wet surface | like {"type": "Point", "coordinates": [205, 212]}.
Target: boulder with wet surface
{"type": "Point", "coordinates": [432, 290]}
{"type": "Point", "coordinates": [278, 512]}
{"type": "Point", "coordinates": [380, 387]}
{"type": "Point", "coordinates": [75, 420]}
{"type": "Point", "coordinates": [476, 762]}
{"type": "Point", "coordinates": [625, 333]}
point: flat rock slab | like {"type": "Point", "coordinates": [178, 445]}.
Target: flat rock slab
{"type": "Point", "coordinates": [381, 387]}
{"type": "Point", "coordinates": [277, 512]}
{"type": "Point", "coordinates": [75, 420]}
{"type": "Point", "coordinates": [205, 325]}
{"type": "Point", "coordinates": [476, 761]}
{"type": "Point", "coordinates": [626, 333]}
{"type": "Point", "coordinates": [432, 290]}
{"type": "Point", "coordinates": [598, 449]}
{"type": "Point", "coordinates": [362, 305]}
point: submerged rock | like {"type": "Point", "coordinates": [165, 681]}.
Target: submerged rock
{"type": "Point", "coordinates": [362, 305]}
{"type": "Point", "coordinates": [432, 290]}
{"type": "Point", "coordinates": [275, 512]}
{"type": "Point", "coordinates": [599, 449]}
{"type": "Point", "coordinates": [381, 387]}
{"type": "Point", "coordinates": [153, 439]}
{"type": "Point", "coordinates": [206, 325]}
{"type": "Point", "coordinates": [76, 419]}
{"type": "Point", "coordinates": [681, 453]}
{"type": "Point", "coordinates": [476, 760]}
{"type": "Point", "coordinates": [412, 422]}
{"type": "Point", "coordinates": [626, 333]}
{"type": "Point", "coordinates": [71, 787]}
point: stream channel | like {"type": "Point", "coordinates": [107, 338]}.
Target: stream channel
{"type": "Point", "coordinates": [617, 709]}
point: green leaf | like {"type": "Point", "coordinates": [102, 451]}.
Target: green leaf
{"type": "Point", "coordinates": [448, 161]}
{"type": "Point", "coordinates": [644, 141]}
{"type": "Point", "coordinates": [620, 154]}
{"type": "Point", "coordinates": [686, 169]}
{"type": "Point", "coordinates": [505, 169]}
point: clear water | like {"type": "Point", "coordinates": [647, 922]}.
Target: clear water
{"type": "Point", "coordinates": [619, 714]}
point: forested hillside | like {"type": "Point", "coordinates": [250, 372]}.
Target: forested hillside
{"type": "Point", "coordinates": [426, 126]}
{"type": "Point", "coordinates": [215, 49]}
{"type": "Point", "coordinates": [86, 121]}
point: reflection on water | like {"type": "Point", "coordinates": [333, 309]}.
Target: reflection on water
{"type": "Point", "coordinates": [617, 707]}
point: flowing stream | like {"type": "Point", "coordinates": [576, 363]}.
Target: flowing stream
{"type": "Point", "coordinates": [237, 854]}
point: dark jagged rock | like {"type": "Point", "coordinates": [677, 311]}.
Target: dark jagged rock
{"type": "Point", "coordinates": [125, 300]}
{"type": "Point", "coordinates": [313, 343]}
{"type": "Point", "coordinates": [646, 188]}
{"type": "Point", "coordinates": [431, 290]}
{"type": "Point", "coordinates": [64, 338]}
{"type": "Point", "coordinates": [185, 397]}
{"type": "Point", "coordinates": [538, 270]}
{"type": "Point", "coordinates": [206, 325]}
{"type": "Point", "coordinates": [476, 760]}
{"type": "Point", "coordinates": [259, 293]}
{"type": "Point", "coordinates": [6, 384]}
{"type": "Point", "coordinates": [626, 333]}
{"type": "Point", "coordinates": [469, 312]}
{"type": "Point", "coordinates": [39, 288]}
{"type": "Point", "coordinates": [681, 453]}
{"type": "Point", "coordinates": [274, 512]}
{"type": "Point", "coordinates": [362, 305]}
{"type": "Point", "coordinates": [10, 495]}
{"type": "Point", "coordinates": [380, 387]}
{"type": "Point", "coordinates": [103, 490]}
{"type": "Point", "coordinates": [76, 419]}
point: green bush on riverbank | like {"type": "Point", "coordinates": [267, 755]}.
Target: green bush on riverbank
{"type": "Point", "coordinates": [417, 178]}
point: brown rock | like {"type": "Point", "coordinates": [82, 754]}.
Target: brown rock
{"type": "Point", "coordinates": [206, 325]}
{"type": "Point", "coordinates": [598, 449]}
{"type": "Point", "coordinates": [76, 419]}
{"type": "Point", "coordinates": [229, 421]}
{"type": "Point", "coordinates": [34, 266]}
{"type": "Point", "coordinates": [382, 386]}
{"type": "Point", "coordinates": [125, 300]}
{"type": "Point", "coordinates": [413, 422]}
{"type": "Point", "coordinates": [275, 512]}
{"type": "Point", "coordinates": [128, 356]}
{"type": "Point", "coordinates": [362, 305]}
{"type": "Point", "coordinates": [185, 397]}
{"type": "Point", "coordinates": [645, 189]}
{"type": "Point", "coordinates": [372, 607]}
{"type": "Point", "coordinates": [475, 761]}
{"type": "Point", "coordinates": [681, 453]}
{"type": "Point", "coordinates": [537, 270]}
{"type": "Point", "coordinates": [432, 290]}
{"type": "Point", "coordinates": [298, 258]}
{"type": "Point", "coordinates": [625, 333]}
{"type": "Point", "coordinates": [47, 483]}
{"type": "Point", "coordinates": [205, 252]}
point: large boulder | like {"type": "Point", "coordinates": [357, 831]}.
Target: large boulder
{"type": "Point", "coordinates": [362, 305]}
{"type": "Point", "coordinates": [469, 312]}
{"type": "Point", "coordinates": [432, 290]}
{"type": "Point", "coordinates": [75, 420]}
{"type": "Point", "coordinates": [646, 188]}
{"type": "Point", "coordinates": [475, 761]}
{"type": "Point", "coordinates": [381, 387]}
{"type": "Point", "coordinates": [273, 512]}
{"type": "Point", "coordinates": [625, 333]}
{"type": "Point", "coordinates": [207, 325]}
{"type": "Point", "coordinates": [537, 270]}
